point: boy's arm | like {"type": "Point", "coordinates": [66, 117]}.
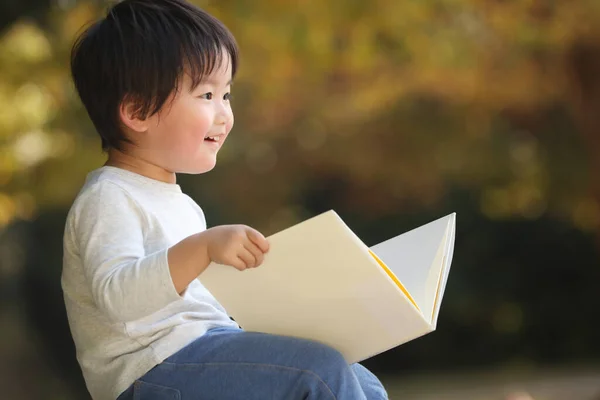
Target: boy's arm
{"type": "Point", "coordinates": [188, 259]}
{"type": "Point", "coordinates": [126, 283]}
{"type": "Point", "coordinates": [107, 233]}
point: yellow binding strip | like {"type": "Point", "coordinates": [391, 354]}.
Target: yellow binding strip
{"type": "Point", "coordinates": [391, 275]}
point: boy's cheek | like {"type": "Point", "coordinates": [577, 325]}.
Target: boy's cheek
{"type": "Point", "coordinates": [231, 118]}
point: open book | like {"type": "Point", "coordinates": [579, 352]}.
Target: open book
{"type": "Point", "coordinates": [319, 281]}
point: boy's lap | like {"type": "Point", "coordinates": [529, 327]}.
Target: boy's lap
{"type": "Point", "coordinates": [228, 363]}
{"type": "Point", "coordinates": [231, 346]}
{"type": "Point", "coordinates": [233, 364]}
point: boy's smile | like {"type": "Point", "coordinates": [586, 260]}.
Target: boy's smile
{"type": "Point", "coordinates": [215, 140]}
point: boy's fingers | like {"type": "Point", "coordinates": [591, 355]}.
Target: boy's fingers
{"type": "Point", "coordinates": [258, 239]}
{"type": "Point", "coordinates": [238, 264]}
{"type": "Point", "coordinates": [247, 257]}
{"type": "Point", "coordinates": [256, 252]}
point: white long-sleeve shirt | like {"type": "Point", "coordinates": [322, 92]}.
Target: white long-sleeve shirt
{"type": "Point", "coordinates": [124, 312]}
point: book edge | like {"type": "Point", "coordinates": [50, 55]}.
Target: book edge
{"type": "Point", "coordinates": [445, 270]}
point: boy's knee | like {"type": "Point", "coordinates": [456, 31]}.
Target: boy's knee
{"type": "Point", "coordinates": [325, 358]}
{"type": "Point", "coordinates": [370, 384]}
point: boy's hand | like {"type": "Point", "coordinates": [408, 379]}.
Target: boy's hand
{"type": "Point", "coordinates": [236, 245]}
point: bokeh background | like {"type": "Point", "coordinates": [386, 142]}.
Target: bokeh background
{"type": "Point", "coordinates": [392, 113]}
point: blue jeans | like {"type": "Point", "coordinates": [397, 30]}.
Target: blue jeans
{"type": "Point", "coordinates": [231, 364]}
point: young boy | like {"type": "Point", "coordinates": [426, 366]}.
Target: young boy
{"type": "Point", "coordinates": [155, 78]}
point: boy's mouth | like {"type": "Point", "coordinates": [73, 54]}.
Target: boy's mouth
{"type": "Point", "coordinates": [215, 138]}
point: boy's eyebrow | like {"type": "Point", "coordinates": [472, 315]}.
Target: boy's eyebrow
{"type": "Point", "coordinates": [214, 82]}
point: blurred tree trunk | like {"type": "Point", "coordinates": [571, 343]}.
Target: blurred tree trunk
{"type": "Point", "coordinates": [583, 65]}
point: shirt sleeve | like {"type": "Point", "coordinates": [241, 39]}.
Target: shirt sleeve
{"type": "Point", "coordinates": [126, 283]}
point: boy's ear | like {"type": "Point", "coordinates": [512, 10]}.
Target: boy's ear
{"type": "Point", "coordinates": [130, 117]}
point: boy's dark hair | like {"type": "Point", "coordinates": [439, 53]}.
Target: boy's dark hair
{"type": "Point", "coordinates": [138, 53]}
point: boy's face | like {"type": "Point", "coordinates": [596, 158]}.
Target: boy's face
{"type": "Point", "coordinates": [186, 135]}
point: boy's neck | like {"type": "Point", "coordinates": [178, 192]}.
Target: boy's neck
{"type": "Point", "coordinates": [142, 167]}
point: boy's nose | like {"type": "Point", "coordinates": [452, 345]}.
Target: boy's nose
{"type": "Point", "coordinates": [223, 115]}
{"type": "Point", "coordinates": [220, 119]}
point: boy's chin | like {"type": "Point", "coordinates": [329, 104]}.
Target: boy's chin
{"type": "Point", "coordinates": [199, 168]}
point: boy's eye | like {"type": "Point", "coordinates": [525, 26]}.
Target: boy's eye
{"type": "Point", "coordinates": [209, 96]}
